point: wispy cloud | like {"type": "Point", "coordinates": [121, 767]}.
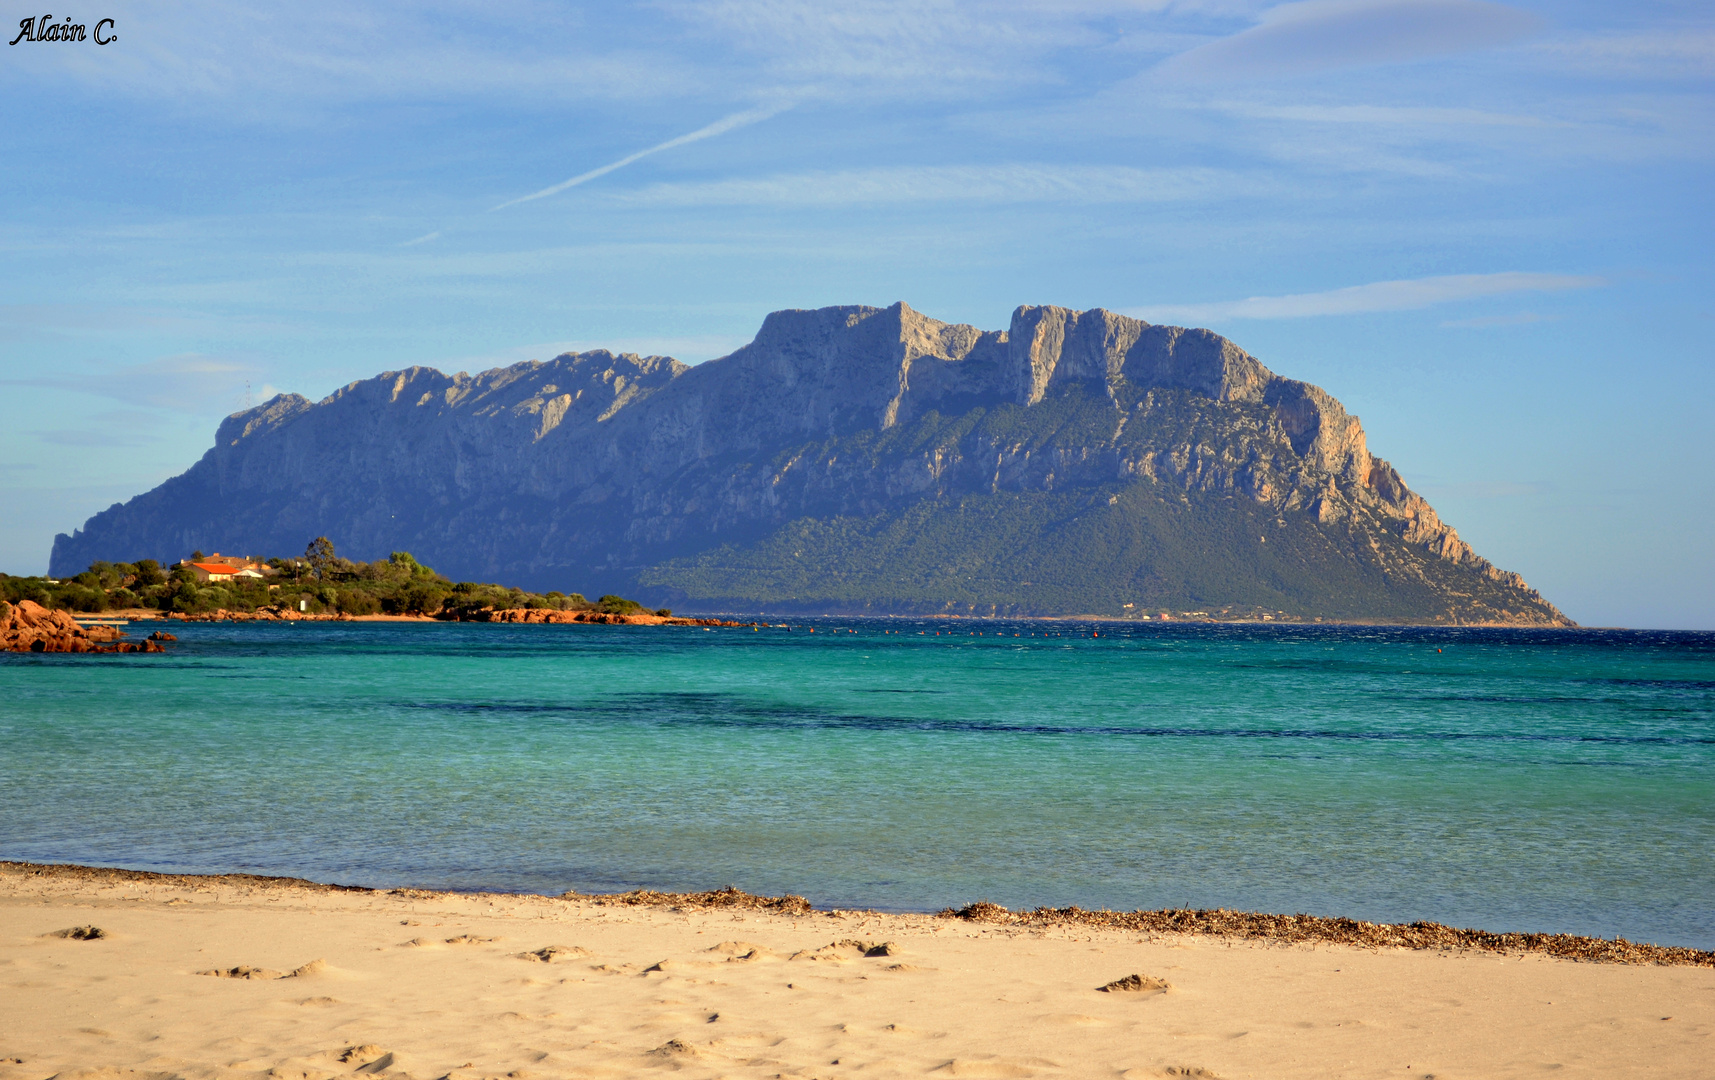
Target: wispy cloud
{"type": "Point", "coordinates": [1387, 115]}
{"type": "Point", "coordinates": [188, 382]}
{"type": "Point", "coordinates": [1483, 322]}
{"type": "Point", "coordinates": [1377, 296]}
{"type": "Point", "coordinates": [1008, 183]}
{"type": "Point", "coordinates": [1317, 35]}
{"type": "Point", "coordinates": [719, 127]}
{"type": "Point", "coordinates": [1683, 52]}
{"type": "Point", "coordinates": [424, 239]}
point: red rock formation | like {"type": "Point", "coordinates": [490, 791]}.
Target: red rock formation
{"type": "Point", "coordinates": [551, 615]}
{"type": "Point", "coordinates": [29, 627]}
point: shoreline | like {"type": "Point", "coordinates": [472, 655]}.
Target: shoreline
{"type": "Point", "coordinates": [1217, 923]}
{"type": "Point", "coordinates": [747, 619]}
{"type": "Point", "coordinates": [133, 975]}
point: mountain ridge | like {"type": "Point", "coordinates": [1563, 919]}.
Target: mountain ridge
{"type": "Point", "coordinates": [630, 472]}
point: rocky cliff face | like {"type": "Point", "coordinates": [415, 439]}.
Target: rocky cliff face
{"type": "Point", "coordinates": [1121, 466]}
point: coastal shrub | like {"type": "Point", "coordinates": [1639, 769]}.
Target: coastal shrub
{"type": "Point", "coordinates": [418, 598]}
{"type": "Point", "coordinates": [76, 596]}
{"type": "Point", "coordinates": [34, 590]}
{"type": "Point", "coordinates": [189, 599]}
{"type": "Point", "coordinates": [356, 602]}
{"type": "Point", "coordinates": [398, 584]}
{"type": "Point", "coordinates": [462, 607]}
{"type": "Point", "coordinates": [665, 612]}
{"type": "Point", "coordinates": [405, 562]}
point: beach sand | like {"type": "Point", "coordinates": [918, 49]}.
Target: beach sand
{"type": "Point", "coordinates": [319, 983]}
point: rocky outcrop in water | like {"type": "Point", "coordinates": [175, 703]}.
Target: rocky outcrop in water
{"type": "Point", "coordinates": [852, 459]}
{"type": "Point", "coordinates": [29, 627]}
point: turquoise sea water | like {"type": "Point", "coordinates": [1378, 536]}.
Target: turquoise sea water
{"type": "Point", "coordinates": [1497, 779]}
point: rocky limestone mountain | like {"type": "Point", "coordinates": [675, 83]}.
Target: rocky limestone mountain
{"type": "Point", "coordinates": [851, 459]}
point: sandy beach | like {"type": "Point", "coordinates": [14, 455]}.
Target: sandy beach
{"type": "Point", "coordinates": [250, 978]}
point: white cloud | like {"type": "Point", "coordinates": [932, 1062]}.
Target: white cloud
{"type": "Point", "coordinates": [187, 382]}
{"type": "Point", "coordinates": [1387, 115]}
{"type": "Point", "coordinates": [1317, 35]}
{"type": "Point", "coordinates": [424, 239]}
{"type": "Point", "coordinates": [1377, 296]}
{"type": "Point", "coordinates": [1007, 183]}
{"type": "Point", "coordinates": [719, 127]}
{"type": "Point", "coordinates": [1483, 322]}
{"type": "Point", "coordinates": [1684, 52]}
{"type": "Point", "coordinates": [119, 429]}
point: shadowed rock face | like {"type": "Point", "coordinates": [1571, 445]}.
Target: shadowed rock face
{"type": "Point", "coordinates": [849, 459]}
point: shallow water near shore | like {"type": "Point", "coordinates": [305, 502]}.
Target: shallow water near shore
{"type": "Point", "coordinates": [1500, 779]}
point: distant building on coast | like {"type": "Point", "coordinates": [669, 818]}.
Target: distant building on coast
{"type": "Point", "coordinates": [217, 568]}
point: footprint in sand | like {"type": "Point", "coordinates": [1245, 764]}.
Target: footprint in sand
{"type": "Point", "coordinates": [742, 951]}
{"type": "Point", "coordinates": [554, 954]}
{"type": "Point", "coordinates": [849, 949]}
{"type": "Point", "coordinates": [368, 1058]}
{"type": "Point", "coordinates": [1171, 1072]}
{"type": "Point", "coordinates": [989, 1066]}
{"type": "Point", "coordinates": [80, 933]}
{"type": "Point", "coordinates": [112, 1073]}
{"type": "Point", "coordinates": [1136, 984]}
{"type": "Point", "coordinates": [677, 1049]}
{"type": "Point", "coordinates": [245, 971]}
{"type": "Point", "coordinates": [461, 939]}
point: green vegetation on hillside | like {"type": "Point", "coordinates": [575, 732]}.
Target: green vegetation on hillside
{"type": "Point", "coordinates": [1120, 551]}
{"type": "Point", "coordinates": [319, 582]}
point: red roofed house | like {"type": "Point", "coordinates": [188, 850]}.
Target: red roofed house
{"type": "Point", "coordinates": [207, 572]}
{"type": "Point", "coordinates": [218, 568]}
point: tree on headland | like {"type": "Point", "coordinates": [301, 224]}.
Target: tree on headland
{"type": "Point", "coordinates": [397, 585]}
{"type": "Point", "coordinates": [405, 561]}
{"type": "Point", "coordinates": [320, 555]}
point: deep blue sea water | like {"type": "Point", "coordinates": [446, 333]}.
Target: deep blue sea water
{"type": "Point", "coordinates": [1502, 779]}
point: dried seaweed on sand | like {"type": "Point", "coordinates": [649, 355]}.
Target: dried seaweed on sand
{"type": "Point", "coordinates": [1318, 929]}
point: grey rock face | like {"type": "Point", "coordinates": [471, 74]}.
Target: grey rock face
{"type": "Point", "coordinates": [583, 471]}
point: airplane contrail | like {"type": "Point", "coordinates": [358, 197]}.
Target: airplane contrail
{"type": "Point", "coordinates": [719, 127]}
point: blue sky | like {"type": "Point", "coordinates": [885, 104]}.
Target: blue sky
{"type": "Point", "coordinates": [1486, 228]}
